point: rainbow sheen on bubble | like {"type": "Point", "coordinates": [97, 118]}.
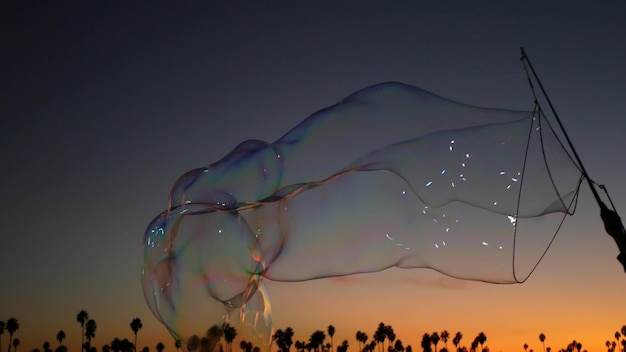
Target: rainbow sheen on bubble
{"type": "Point", "coordinates": [391, 176]}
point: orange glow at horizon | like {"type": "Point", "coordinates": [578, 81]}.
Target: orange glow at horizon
{"type": "Point", "coordinates": [413, 302]}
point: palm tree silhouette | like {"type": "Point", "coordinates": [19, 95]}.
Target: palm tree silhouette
{"type": "Point", "coordinates": [16, 342]}
{"type": "Point", "coordinates": [284, 339]}
{"type": "Point", "coordinates": [82, 318]}
{"type": "Point", "coordinates": [126, 346]}
{"type": "Point", "coordinates": [288, 338]}
{"type": "Point", "coordinates": [300, 345]}
{"type": "Point", "coordinates": [116, 345]}
{"type": "Point", "coordinates": [474, 345]}
{"type": "Point", "coordinates": [445, 336]}
{"type": "Point", "coordinates": [343, 347]}
{"type": "Point", "coordinates": [277, 336]}
{"type": "Point", "coordinates": [380, 335]}
{"type": "Point", "coordinates": [481, 338]}
{"type": "Point", "coordinates": [317, 340]}
{"type": "Point", "coordinates": [193, 343]}
{"type": "Point", "coordinates": [90, 332]}
{"type": "Point", "coordinates": [383, 332]}
{"type": "Point", "coordinates": [160, 347]}
{"type": "Point", "coordinates": [331, 333]}
{"type": "Point", "coordinates": [12, 326]}
{"type": "Point", "coordinates": [426, 343]}
{"type": "Point", "coordinates": [361, 337]}
{"type": "Point", "coordinates": [245, 346]}
{"type": "Point", "coordinates": [178, 344]}
{"type": "Point", "coordinates": [211, 338]}
{"type": "Point", "coordinates": [135, 326]}
{"type": "Point", "coordinates": [2, 327]}
{"type": "Point", "coordinates": [434, 338]}
{"type": "Point", "coordinates": [229, 335]}
{"type": "Point", "coordinates": [542, 338]}
{"type": "Point", "coordinates": [391, 335]}
{"type": "Point", "coordinates": [46, 347]}
{"type": "Point", "coordinates": [398, 346]}
{"type": "Point", "coordinates": [215, 333]}
{"type": "Point", "coordinates": [60, 337]}
{"type": "Point", "coordinates": [371, 346]}
{"type": "Point", "coordinates": [525, 347]}
{"type": "Point", "coordinates": [457, 340]}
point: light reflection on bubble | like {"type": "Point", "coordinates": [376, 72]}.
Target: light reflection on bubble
{"type": "Point", "coordinates": [391, 176]}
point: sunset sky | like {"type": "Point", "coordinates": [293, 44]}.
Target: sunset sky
{"type": "Point", "coordinates": [105, 104]}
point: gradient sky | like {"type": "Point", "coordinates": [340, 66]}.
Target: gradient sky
{"type": "Point", "coordinates": [105, 104]}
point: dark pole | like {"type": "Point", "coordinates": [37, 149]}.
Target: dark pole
{"type": "Point", "coordinates": [558, 120]}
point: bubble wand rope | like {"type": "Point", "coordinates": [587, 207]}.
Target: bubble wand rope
{"type": "Point", "coordinates": [612, 222]}
{"type": "Point", "coordinates": [525, 59]}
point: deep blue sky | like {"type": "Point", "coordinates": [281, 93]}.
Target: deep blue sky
{"type": "Point", "coordinates": [105, 104]}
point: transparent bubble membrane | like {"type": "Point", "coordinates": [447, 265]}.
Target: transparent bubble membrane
{"type": "Point", "coordinates": [392, 175]}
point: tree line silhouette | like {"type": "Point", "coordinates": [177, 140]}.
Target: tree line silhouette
{"type": "Point", "coordinates": [383, 339]}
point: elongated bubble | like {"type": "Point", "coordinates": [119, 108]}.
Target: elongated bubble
{"type": "Point", "coordinates": [390, 176]}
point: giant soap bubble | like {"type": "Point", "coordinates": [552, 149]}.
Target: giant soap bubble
{"type": "Point", "coordinates": [391, 176]}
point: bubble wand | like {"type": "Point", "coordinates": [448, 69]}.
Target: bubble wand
{"type": "Point", "coordinates": [612, 222]}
